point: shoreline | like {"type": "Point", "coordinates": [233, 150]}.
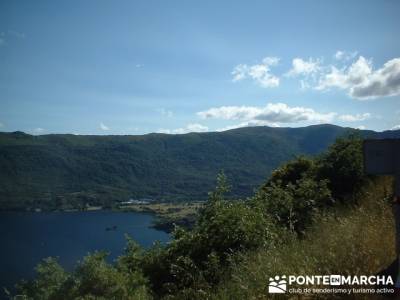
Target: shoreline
{"type": "Point", "coordinates": [167, 215]}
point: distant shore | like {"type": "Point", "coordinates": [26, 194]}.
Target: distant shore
{"type": "Point", "coordinates": [169, 214]}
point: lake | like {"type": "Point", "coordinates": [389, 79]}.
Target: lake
{"type": "Point", "coordinates": [29, 237]}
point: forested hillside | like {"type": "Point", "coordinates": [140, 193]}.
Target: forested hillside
{"type": "Point", "coordinates": [63, 171]}
{"type": "Point", "coordinates": [300, 221]}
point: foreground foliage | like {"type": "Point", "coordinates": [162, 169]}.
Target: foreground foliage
{"type": "Point", "coordinates": [354, 241]}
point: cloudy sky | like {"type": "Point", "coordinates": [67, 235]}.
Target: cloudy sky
{"type": "Point", "coordinates": [130, 67]}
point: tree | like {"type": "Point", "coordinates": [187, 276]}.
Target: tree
{"type": "Point", "coordinates": [50, 277]}
{"type": "Point", "coordinates": [93, 278]}
{"type": "Point", "coordinates": [342, 166]}
{"type": "Point", "coordinates": [292, 171]}
{"type": "Point", "coordinates": [294, 205]}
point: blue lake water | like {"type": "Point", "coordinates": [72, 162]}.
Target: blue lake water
{"type": "Point", "coordinates": [29, 237]}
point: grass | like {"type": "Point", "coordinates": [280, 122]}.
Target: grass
{"type": "Point", "coordinates": [350, 241]}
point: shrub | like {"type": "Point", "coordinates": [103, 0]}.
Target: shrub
{"type": "Point", "coordinates": [197, 259]}
{"type": "Point", "coordinates": [294, 205]}
{"type": "Point", "coordinates": [292, 171]}
{"type": "Point", "coordinates": [342, 165]}
{"type": "Point", "coordinates": [356, 241]}
{"type": "Point", "coordinates": [48, 282]}
{"type": "Point", "coordinates": [93, 278]}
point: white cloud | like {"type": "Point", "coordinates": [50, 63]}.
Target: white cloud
{"type": "Point", "coordinates": [249, 124]}
{"type": "Point", "coordinates": [339, 55]}
{"type": "Point", "coordinates": [345, 55]}
{"type": "Point", "coordinates": [239, 72]}
{"type": "Point", "coordinates": [272, 113]}
{"type": "Point", "coordinates": [361, 127]}
{"type": "Point", "coordinates": [346, 78]}
{"type": "Point", "coordinates": [362, 82]}
{"type": "Point", "coordinates": [359, 79]}
{"type": "Point", "coordinates": [104, 127]}
{"type": "Point", "coordinates": [304, 84]}
{"type": "Point", "coordinates": [195, 127]}
{"type": "Point", "coordinates": [38, 130]}
{"type": "Point", "coordinates": [396, 127]}
{"type": "Point", "coordinates": [304, 67]}
{"type": "Point", "coordinates": [354, 118]}
{"type": "Point", "coordinates": [230, 112]}
{"type": "Point", "coordinates": [164, 130]}
{"type": "Point", "coordinates": [192, 127]}
{"type": "Point", "coordinates": [275, 115]}
{"type": "Point", "coordinates": [1, 125]}
{"type": "Point", "coordinates": [261, 73]}
{"type": "Point", "coordinates": [139, 65]}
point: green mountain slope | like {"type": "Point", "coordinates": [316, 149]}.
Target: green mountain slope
{"type": "Point", "coordinates": [61, 170]}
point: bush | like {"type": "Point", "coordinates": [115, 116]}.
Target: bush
{"type": "Point", "coordinates": [294, 195]}
{"type": "Point", "coordinates": [49, 280]}
{"type": "Point", "coordinates": [342, 165]}
{"type": "Point", "coordinates": [292, 171]}
{"type": "Point", "coordinates": [294, 205]}
{"type": "Point", "coordinates": [356, 241]}
{"type": "Point", "coordinates": [197, 259]}
{"type": "Point", "coordinates": [93, 278]}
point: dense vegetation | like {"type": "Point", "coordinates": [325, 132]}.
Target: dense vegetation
{"type": "Point", "coordinates": [62, 171]}
{"type": "Point", "coordinates": [169, 214]}
{"type": "Point", "coordinates": [302, 220]}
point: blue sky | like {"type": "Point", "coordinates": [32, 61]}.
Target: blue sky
{"type": "Point", "coordinates": [130, 67]}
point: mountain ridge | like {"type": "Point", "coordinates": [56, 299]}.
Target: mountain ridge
{"type": "Point", "coordinates": [64, 170]}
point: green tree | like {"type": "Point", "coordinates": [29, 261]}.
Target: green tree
{"type": "Point", "coordinates": [93, 278]}
{"type": "Point", "coordinates": [50, 277]}
{"type": "Point", "coordinates": [342, 166]}
{"type": "Point", "coordinates": [197, 260]}
{"type": "Point", "coordinates": [292, 171]}
{"type": "Point", "coordinates": [294, 205]}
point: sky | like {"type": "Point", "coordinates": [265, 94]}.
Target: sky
{"type": "Point", "coordinates": [135, 67]}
